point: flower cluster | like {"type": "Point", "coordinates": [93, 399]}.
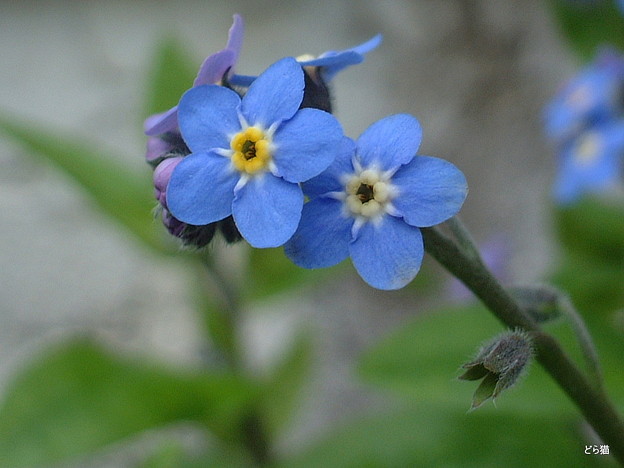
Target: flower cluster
{"type": "Point", "coordinates": [263, 159]}
{"type": "Point", "coordinates": [585, 120]}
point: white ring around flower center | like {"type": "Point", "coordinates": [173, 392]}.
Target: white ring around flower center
{"type": "Point", "coordinates": [369, 193]}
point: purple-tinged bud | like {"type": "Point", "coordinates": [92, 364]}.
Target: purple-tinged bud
{"type": "Point", "coordinates": [500, 363]}
{"type": "Point", "coordinates": [157, 148]}
{"type": "Point", "coordinates": [161, 177]}
{"type": "Point", "coordinates": [166, 145]}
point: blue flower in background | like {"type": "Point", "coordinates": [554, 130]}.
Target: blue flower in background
{"type": "Point", "coordinates": [594, 95]}
{"type": "Point", "coordinates": [328, 64]}
{"type": "Point", "coordinates": [212, 70]}
{"type": "Point", "coordinates": [248, 155]}
{"type": "Point", "coordinates": [370, 203]}
{"type": "Point", "coordinates": [591, 163]}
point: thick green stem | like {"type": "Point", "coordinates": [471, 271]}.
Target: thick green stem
{"type": "Point", "coordinates": [594, 404]}
{"type": "Point", "coordinates": [253, 431]}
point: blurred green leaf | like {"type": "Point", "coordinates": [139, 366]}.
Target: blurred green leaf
{"type": "Point", "coordinates": [77, 398]}
{"type": "Point", "coordinates": [594, 229]}
{"type": "Point", "coordinates": [271, 272]}
{"type": "Point", "coordinates": [285, 384]}
{"type": "Point", "coordinates": [594, 287]}
{"type": "Point", "coordinates": [122, 194]}
{"type": "Point", "coordinates": [589, 25]}
{"type": "Point", "coordinates": [171, 73]}
{"type": "Point", "coordinates": [592, 267]}
{"type": "Point", "coordinates": [434, 435]}
{"type": "Point", "coordinates": [174, 456]}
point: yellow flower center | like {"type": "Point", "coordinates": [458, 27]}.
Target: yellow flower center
{"type": "Point", "coordinates": [588, 150]}
{"type": "Point", "coordinates": [251, 150]}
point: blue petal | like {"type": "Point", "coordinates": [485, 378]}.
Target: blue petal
{"type": "Point", "coordinates": [332, 62]}
{"type": "Point", "coordinates": [275, 95]}
{"type": "Point", "coordinates": [201, 188]}
{"type": "Point", "coordinates": [267, 210]}
{"type": "Point", "coordinates": [389, 254]}
{"type": "Point", "coordinates": [208, 116]}
{"type": "Point", "coordinates": [306, 144]}
{"type": "Point", "coordinates": [331, 180]}
{"type": "Point", "coordinates": [597, 172]}
{"type": "Point", "coordinates": [322, 238]}
{"type": "Point", "coordinates": [242, 80]}
{"type": "Point", "coordinates": [390, 142]}
{"type": "Point", "coordinates": [431, 190]}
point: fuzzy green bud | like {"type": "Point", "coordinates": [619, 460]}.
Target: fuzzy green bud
{"type": "Point", "coordinates": [500, 363]}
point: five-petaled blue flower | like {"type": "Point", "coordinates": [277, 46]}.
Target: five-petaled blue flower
{"type": "Point", "coordinates": [370, 203]}
{"type": "Point", "coordinates": [591, 163]}
{"type": "Point", "coordinates": [249, 155]}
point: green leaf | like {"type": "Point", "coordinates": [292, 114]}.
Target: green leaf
{"type": "Point", "coordinates": [124, 195]}
{"type": "Point", "coordinates": [171, 73]}
{"type": "Point", "coordinates": [285, 384]}
{"type": "Point", "coordinates": [589, 25]}
{"type": "Point", "coordinates": [77, 398]}
{"type": "Point", "coordinates": [434, 435]}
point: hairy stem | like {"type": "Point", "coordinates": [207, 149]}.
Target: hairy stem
{"type": "Point", "coordinates": [593, 403]}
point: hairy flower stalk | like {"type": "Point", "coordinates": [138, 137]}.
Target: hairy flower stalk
{"type": "Point", "coordinates": [593, 402]}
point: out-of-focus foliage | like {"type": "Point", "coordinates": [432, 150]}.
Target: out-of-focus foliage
{"type": "Point", "coordinates": [592, 267]}
{"type": "Point", "coordinates": [588, 25]}
{"type": "Point", "coordinates": [76, 398]}
{"type": "Point", "coordinates": [121, 193]}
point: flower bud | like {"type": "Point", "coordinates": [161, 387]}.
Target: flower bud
{"type": "Point", "coordinates": [500, 363]}
{"type": "Point", "coordinates": [161, 177]}
{"type": "Point", "coordinates": [315, 92]}
{"type": "Point", "coordinates": [541, 302]}
{"type": "Point", "coordinates": [165, 146]}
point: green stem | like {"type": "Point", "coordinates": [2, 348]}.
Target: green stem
{"type": "Point", "coordinates": [593, 403]}
{"type": "Point", "coordinates": [253, 431]}
{"type": "Point", "coordinates": [585, 340]}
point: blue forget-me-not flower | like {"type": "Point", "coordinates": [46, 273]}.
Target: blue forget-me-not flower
{"type": "Point", "coordinates": [591, 163]}
{"type": "Point", "coordinates": [248, 155]}
{"type": "Point", "coordinates": [585, 121]}
{"type": "Point", "coordinates": [370, 203]}
{"type": "Point", "coordinates": [594, 95]}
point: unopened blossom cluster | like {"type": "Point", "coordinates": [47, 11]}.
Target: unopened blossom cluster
{"type": "Point", "coordinates": [263, 159]}
{"type": "Point", "coordinates": [585, 122]}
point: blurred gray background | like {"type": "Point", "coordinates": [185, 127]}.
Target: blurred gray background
{"type": "Point", "coordinates": [476, 73]}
